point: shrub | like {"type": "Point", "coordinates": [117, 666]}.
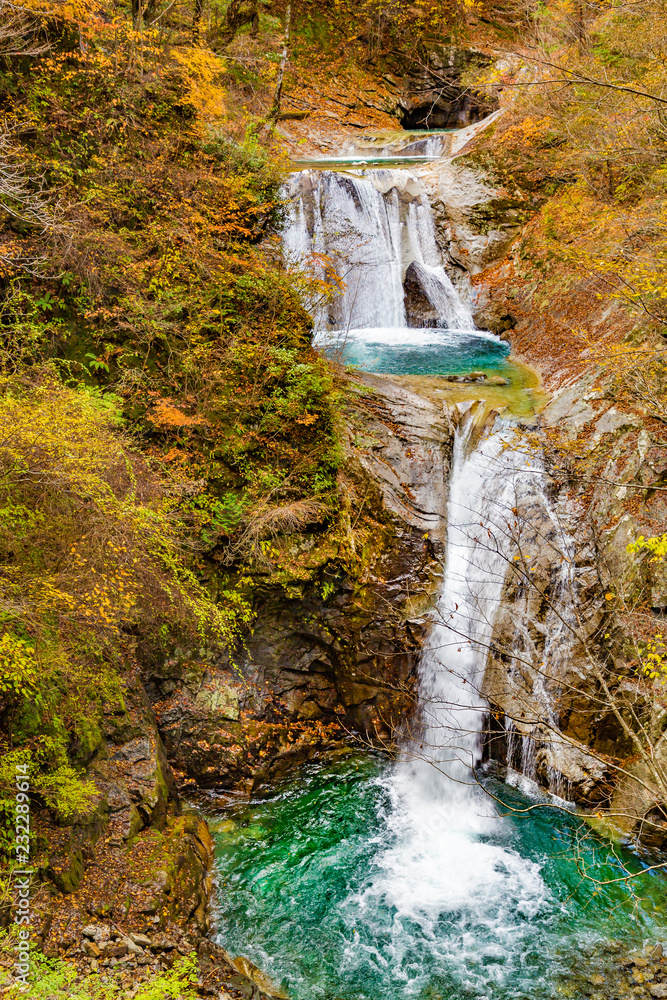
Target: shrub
{"type": "Point", "coordinates": [92, 557]}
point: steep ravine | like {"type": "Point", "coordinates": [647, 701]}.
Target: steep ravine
{"type": "Point", "coordinates": [461, 197]}
{"type": "Point", "coordinates": [315, 668]}
{"type": "Point", "coordinates": [513, 666]}
{"type": "Point", "coordinates": [327, 661]}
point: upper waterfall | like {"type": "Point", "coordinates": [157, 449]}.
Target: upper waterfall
{"type": "Point", "coordinates": [361, 235]}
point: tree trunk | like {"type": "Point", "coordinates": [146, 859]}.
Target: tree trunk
{"type": "Point", "coordinates": [579, 23]}
{"type": "Point", "coordinates": [196, 21]}
{"type": "Point", "coordinates": [275, 107]}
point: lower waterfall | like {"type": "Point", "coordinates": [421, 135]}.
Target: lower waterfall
{"type": "Point", "coordinates": [487, 486]}
{"type": "Point", "coordinates": [447, 861]}
{"type": "Point", "coordinates": [366, 879]}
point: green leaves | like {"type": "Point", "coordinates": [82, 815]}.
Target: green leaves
{"type": "Point", "coordinates": [96, 364]}
{"type": "Point", "coordinates": [657, 546]}
{"type": "Point", "coordinates": [19, 670]}
{"type": "Point", "coordinates": [54, 979]}
{"type": "Point", "coordinates": [45, 302]}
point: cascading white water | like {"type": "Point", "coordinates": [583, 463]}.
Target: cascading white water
{"type": "Point", "coordinates": [358, 230]}
{"type": "Point", "coordinates": [407, 884]}
{"type": "Point", "coordinates": [367, 231]}
{"type": "Point", "coordinates": [373, 231]}
{"type": "Point", "coordinates": [440, 861]}
{"type": "Point", "coordinates": [486, 486]}
{"type": "Point", "coordinates": [442, 864]}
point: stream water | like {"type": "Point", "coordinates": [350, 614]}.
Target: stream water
{"type": "Point", "coordinates": [366, 878]}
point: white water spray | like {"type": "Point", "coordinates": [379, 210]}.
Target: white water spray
{"type": "Point", "coordinates": [441, 865]}
{"type": "Point", "coordinates": [368, 230]}
{"type": "Point", "coordinates": [486, 486]}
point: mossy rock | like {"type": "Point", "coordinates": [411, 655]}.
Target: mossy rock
{"type": "Point", "coordinates": [66, 873]}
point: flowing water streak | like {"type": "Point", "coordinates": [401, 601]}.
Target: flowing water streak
{"type": "Point", "coordinates": [549, 646]}
{"type": "Point", "coordinates": [486, 486]}
{"type": "Point", "coordinates": [435, 143]}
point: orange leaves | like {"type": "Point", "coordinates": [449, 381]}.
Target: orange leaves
{"type": "Point", "coordinates": [528, 132]}
{"type": "Point", "coordinates": [168, 416]}
{"type": "Point", "coordinates": [174, 455]}
{"type": "Point", "coordinates": [201, 69]}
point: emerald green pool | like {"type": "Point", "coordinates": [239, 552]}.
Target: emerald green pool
{"type": "Point", "coordinates": [406, 351]}
{"type": "Point", "coordinates": [347, 883]}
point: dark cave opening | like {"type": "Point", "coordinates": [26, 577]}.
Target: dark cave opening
{"type": "Point", "coordinates": [464, 109]}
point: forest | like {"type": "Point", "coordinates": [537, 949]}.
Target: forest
{"type": "Point", "coordinates": [238, 564]}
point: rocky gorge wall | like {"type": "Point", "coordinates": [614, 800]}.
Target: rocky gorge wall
{"type": "Point", "coordinates": [320, 664]}
{"type": "Point", "coordinates": [129, 882]}
{"type": "Point", "coordinates": [584, 724]}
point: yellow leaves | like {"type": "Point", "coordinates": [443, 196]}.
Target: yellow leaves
{"type": "Point", "coordinates": [654, 660]}
{"type": "Point", "coordinates": [528, 132]}
{"type": "Point", "coordinates": [657, 546]}
{"type": "Point", "coordinates": [100, 543]}
{"type": "Point", "coordinates": [168, 269]}
{"type": "Point", "coordinates": [73, 10]}
{"type": "Point", "coordinates": [18, 667]}
{"type": "Point", "coordinates": [200, 68]}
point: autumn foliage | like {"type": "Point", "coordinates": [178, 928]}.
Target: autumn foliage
{"type": "Point", "coordinates": [164, 415]}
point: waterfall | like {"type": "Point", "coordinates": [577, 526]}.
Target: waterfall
{"type": "Point", "coordinates": [446, 864]}
{"type": "Point", "coordinates": [370, 238]}
{"type": "Point", "coordinates": [358, 230]}
{"type": "Point", "coordinates": [497, 505]}
{"type": "Point", "coordinates": [487, 485]}
{"type": "Point", "coordinates": [408, 882]}
{"type": "Point", "coordinates": [360, 235]}
{"type": "Point", "coordinates": [436, 143]}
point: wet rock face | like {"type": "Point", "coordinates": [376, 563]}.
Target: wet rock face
{"type": "Point", "coordinates": [539, 678]}
{"type": "Point", "coordinates": [426, 91]}
{"type": "Point", "coordinates": [569, 706]}
{"type": "Point", "coordinates": [476, 225]}
{"type": "Point", "coordinates": [342, 656]}
{"type": "Point", "coordinates": [420, 311]}
{"type": "Point", "coordinates": [440, 112]}
{"type": "Point", "coordinates": [307, 662]}
{"type": "Point", "coordinates": [433, 94]}
{"type": "Point", "coordinates": [495, 318]}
